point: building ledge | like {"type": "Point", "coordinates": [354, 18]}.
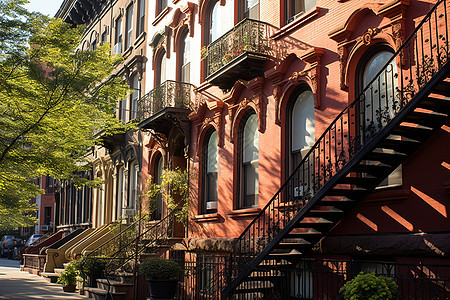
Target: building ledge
{"type": "Point", "coordinates": [245, 212]}
{"type": "Point", "coordinates": [207, 218]}
{"type": "Point", "coordinates": [161, 15]}
{"type": "Point", "coordinates": [139, 39]}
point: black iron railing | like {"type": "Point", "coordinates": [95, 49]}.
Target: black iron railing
{"type": "Point", "coordinates": [247, 36]}
{"type": "Point", "coordinates": [203, 276]}
{"type": "Point", "coordinates": [125, 236]}
{"type": "Point", "coordinates": [167, 94]}
{"type": "Point", "coordinates": [421, 56]}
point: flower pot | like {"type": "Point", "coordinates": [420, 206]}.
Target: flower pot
{"type": "Point", "coordinates": [162, 288]}
{"type": "Point", "coordinates": [69, 288]}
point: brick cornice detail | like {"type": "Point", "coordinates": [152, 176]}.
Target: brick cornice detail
{"type": "Point", "coordinates": [395, 11]}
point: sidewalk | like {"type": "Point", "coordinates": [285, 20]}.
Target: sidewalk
{"type": "Point", "coordinates": [15, 284]}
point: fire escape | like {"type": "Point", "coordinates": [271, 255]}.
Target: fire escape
{"type": "Point", "coordinates": [395, 113]}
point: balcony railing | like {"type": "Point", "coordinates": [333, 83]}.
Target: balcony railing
{"type": "Point", "coordinates": [248, 36]}
{"type": "Point", "coordinates": [168, 94]}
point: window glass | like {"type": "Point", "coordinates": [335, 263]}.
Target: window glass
{"type": "Point", "coordinates": [161, 69]}
{"type": "Point", "coordinates": [251, 9]}
{"type": "Point", "coordinates": [118, 45]}
{"type": "Point", "coordinates": [185, 61]}
{"type": "Point", "coordinates": [379, 99]}
{"type": "Point", "coordinates": [141, 21]}
{"type": "Point", "coordinates": [210, 162]}
{"type": "Point", "coordinates": [303, 122]}
{"type": "Point", "coordinates": [250, 166]}
{"type": "Point", "coordinates": [129, 28]}
{"type": "Point", "coordinates": [295, 8]}
{"type": "Point", "coordinates": [158, 180]}
{"type": "Point", "coordinates": [214, 23]}
{"type": "Point", "coordinates": [134, 97]}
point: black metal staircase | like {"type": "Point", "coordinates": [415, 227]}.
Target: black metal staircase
{"type": "Point", "coordinates": [395, 113]}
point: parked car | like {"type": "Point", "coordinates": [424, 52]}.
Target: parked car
{"type": "Point", "coordinates": [6, 245]}
{"type": "Point", "coordinates": [33, 238]}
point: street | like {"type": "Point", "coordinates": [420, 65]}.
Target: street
{"type": "Point", "coordinates": [15, 284]}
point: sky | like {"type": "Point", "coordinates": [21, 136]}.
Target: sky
{"type": "Point", "coordinates": [46, 7]}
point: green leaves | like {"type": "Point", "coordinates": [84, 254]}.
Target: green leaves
{"type": "Point", "coordinates": [370, 287]}
{"type": "Point", "coordinates": [53, 98]}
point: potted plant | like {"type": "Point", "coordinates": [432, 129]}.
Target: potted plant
{"type": "Point", "coordinates": [370, 286]}
{"type": "Point", "coordinates": [162, 277]}
{"type": "Point", "coordinates": [68, 278]}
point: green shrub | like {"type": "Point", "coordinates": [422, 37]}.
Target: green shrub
{"type": "Point", "coordinates": [158, 268]}
{"type": "Point", "coordinates": [69, 275]}
{"type": "Point", "coordinates": [370, 287]}
{"type": "Point", "coordinates": [91, 266]}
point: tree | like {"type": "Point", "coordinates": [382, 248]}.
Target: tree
{"type": "Point", "coordinates": [53, 99]}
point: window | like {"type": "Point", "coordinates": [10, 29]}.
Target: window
{"type": "Point", "coordinates": [129, 26]}
{"type": "Point", "coordinates": [250, 9]}
{"type": "Point", "coordinates": [210, 165]}
{"type": "Point", "coordinates": [300, 131]}
{"type": "Point", "coordinates": [160, 75]}
{"type": "Point", "coordinates": [248, 165]}
{"type": "Point", "coordinates": [141, 17]}
{"type": "Point", "coordinates": [185, 57]}
{"type": "Point", "coordinates": [161, 5]}
{"type": "Point", "coordinates": [295, 8]}
{"type": "Point", "coordinates": [118, 44]}
{"type": "Point", "coordinates": [134, 97]}
{"type": "Point", "coordinates": [379, 98]}
{"type": "Point", "coordinates": [122, 110]}
{"type": "Point", "coordinates": [47, 215]}
{"type": "Point", "coordinates": [158, 170]}
{"type": "Point", "coordinates": [120, 192]}
{"type": "Point", "coordinates": [104, 37]}
{"type": "Point", "coordinates": [213, 25]}
{"type": "Point", "coordinates": [94, 43]}
{"type": "Point", "coordinates": [133, 174]}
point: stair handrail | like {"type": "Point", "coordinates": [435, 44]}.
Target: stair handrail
{"type": "Point", "coordinates": [130, 228]}
{"type": "Point", "coordinates": [400, 98]}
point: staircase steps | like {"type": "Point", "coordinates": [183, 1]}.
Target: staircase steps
{"type": "Point", "coordinates": [363, 182]}
{"type": "Point", "coordinates": [365, 164]}
{"type": "Point", "coordinates": [414, 133]}
{"type": "Point", "coordinates": [431, 120]}
{"type": "Point", "coordinates": [385, 158]}
{"type": "Point", "coordinates": [436, 104]}
{"type": "Point", "coordinates": [442, 88]}
{"type": "Point", "coordinates": [401, 146]}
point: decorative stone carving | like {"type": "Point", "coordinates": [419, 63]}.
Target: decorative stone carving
{"type": "Point", "coordinates": [179, 23]}
{"type": "Point", "coordinates": [160, 42]}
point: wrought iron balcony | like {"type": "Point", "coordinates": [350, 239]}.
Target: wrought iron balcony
{"type": "Point", "coordinates": [167, 98]}
{"type": "Point", "coordinates": [238, 54]}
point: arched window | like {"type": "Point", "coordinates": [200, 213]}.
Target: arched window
{"type": "Point", "coordinates": [185, 57]}
{"type": "Point", "coordinates": [160, 70]}
{"type": "Point", "coordinates": [134, 97]}
{"type": "Point", "coordinates": [379, 102]}
{"type": "Point", "coordinates": [157, 172]}
{"type": "Point", "coordinates": [248, 161]}
{"type": "Point", "coordinates": [210, 167]}
{"type": "Point", "coordinates": [212, 24]}
{"type": "Point", "coordinates": [300, 131]}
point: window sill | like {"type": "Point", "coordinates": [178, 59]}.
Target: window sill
{"type": "Point", "coordinates": [207, 218]}
{"type": "Point", "coordinates": [294, 25]}
{"type": "Point", "coordinates": [175, 1]}
{"type": "Point", "coordinates": [140, 39]}
{"type": "Point", "coordinates": [245, 212]}
{"type": "Point", "coordinates": [127, 52]}
{"type": "Point", "coordinates": [161, 15]}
